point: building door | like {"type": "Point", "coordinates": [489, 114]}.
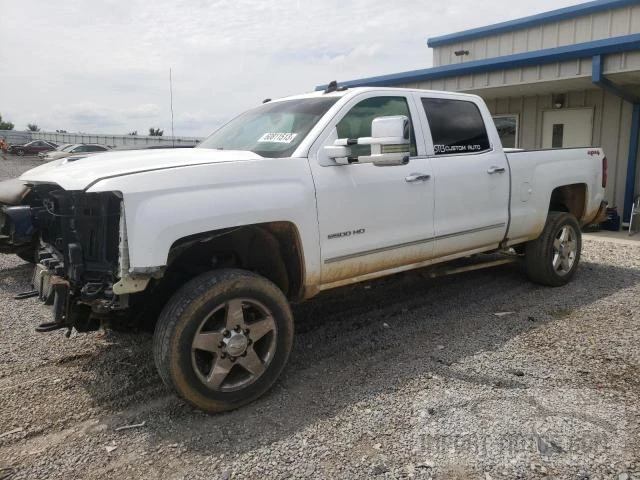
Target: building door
{"type": "Point", "coordinates": [567, 128]}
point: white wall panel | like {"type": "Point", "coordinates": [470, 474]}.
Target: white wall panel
{"type": "Point", "coordinates": [566, 32]}
{"type": "Point", "coordinates": [598, 26]}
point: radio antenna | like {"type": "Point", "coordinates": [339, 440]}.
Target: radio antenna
{"type": "Point", "coordinates": [173, 136]}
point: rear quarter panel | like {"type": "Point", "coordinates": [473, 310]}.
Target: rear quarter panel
{"type": "Point", "coordinates": [535, 174]}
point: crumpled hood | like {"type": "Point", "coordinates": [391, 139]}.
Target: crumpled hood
{"type": "Point", "coordinates": [79, 174]}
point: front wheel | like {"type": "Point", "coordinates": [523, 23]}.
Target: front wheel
{"type": "Point", "coordinates": [28, 254]}
{"type": "Point", "coordinates": [553, 257]}
{"type": "Point", "coordinates": [223, 339]}
{"type": "Point", "coordinates": [20, 153]}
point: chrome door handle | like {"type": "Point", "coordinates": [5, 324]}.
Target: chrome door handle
{"type": "Point", "coordinates": [493, 169]}
{"type": "Point", "coordinates": [417, 177]}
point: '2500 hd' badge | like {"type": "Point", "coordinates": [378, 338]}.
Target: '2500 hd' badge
{"type": "Point", "coordinates": [348, 233]}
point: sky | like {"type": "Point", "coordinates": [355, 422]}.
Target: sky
{"type": "Point", "coordinates": [102, 66]}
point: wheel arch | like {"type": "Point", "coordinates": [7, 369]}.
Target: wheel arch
{"type": "Point", "coordinates": [273, 250]}
{"type": "Point", "coordinates": [570, 199]}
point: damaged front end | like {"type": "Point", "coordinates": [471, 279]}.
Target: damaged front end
{"type": "Point", "coordinates": [17, 232]}
{"type": "Point", "coordinates": [81, 253]}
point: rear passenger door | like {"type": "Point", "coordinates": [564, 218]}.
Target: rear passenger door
{"type": "Point", "coordinates": [471, 177]}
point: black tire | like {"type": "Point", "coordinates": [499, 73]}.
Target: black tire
{"type": "Point", "coordinates": [187, 316]}
{"type": "Point", "coordinates": [541, 253]}
{"type": "Point", "coordinates": [28, 254]}
{"type": "Point", "coordinates": [20, 153]}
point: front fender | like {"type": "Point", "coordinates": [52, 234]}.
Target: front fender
{"type": "Point", "coordinates": [164, 206]}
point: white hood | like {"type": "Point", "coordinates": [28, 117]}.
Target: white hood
{"type": "Point", "coordinates": [79, 174]}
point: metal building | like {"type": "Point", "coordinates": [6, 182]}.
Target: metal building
{"type": "Point", "coordinates": [565, 78]}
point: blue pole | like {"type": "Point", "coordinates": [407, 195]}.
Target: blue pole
{"type": "Point", "coordinates": [632, 162]}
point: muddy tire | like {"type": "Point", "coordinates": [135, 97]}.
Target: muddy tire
{"type": "Point", "coordinates": [552, 258]}
{"type": "Point", "coordinates": [223, 339]}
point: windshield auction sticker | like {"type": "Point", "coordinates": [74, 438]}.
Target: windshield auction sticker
{"type": "Point", "coordinates": [277, 137]}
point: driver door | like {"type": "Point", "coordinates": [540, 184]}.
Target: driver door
{"type": "Point", "coordinates": [372, 218]}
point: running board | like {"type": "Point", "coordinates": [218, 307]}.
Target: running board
{"type": "Point", "coordinates": [470, 264]}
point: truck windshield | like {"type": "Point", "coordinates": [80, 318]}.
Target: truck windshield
{"type": "Point", "coordinates": [274, 129]}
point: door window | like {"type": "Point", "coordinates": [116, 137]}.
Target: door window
{"type": "Point", "coordinates": [357, 123]}
{"type": "Point", "coordinates": [557, 135]}
{"type": "Point", "coordinates": [456, 126]}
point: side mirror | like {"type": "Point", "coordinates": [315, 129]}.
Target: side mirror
{"type": "Point", "coordinates": [338, 153]}
{"type": "Point", "coordinates": [394, 127]}
{"type": "Point", "coordinates": [389, 143]}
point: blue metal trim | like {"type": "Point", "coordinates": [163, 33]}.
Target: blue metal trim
{"type": "Point", "coordinates": [531, 21]}
{"type": "Point", "coordinates": [580, 50]}
{"type": "Point", "coordinates": [632, 161]}
{"type": "Point", "coordinates": [598, 78]}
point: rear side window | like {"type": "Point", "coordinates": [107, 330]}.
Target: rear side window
{"type": "Point", "coordinates": [456, 126]}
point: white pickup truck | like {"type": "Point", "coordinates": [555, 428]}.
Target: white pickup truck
{"type": "Point", "coordinates": [296, 196]}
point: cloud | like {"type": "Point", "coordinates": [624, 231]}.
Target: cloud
{"type": "Point", "coordinates": [92, 116]}
{"type": "Point", "coordinates": [148, 110]}
{"type": "Point", "coordinates": [201, 121]}
{"type": "Point", "coordinates": [104, 64]}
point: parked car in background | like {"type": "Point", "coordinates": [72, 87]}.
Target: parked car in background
{"type": "Point", "coordinates": [75, 149]}
{"type": "Point", "coordinates": [33, 148]}
{"type": "Point", "coordinates": [62, 147]}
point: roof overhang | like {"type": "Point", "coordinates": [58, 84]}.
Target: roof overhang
{"type": "Point", "coordinates": [569, 52]}
{"type": "Point", "coordinates": [627, 82]}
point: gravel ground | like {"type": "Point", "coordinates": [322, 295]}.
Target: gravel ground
{"type": "Point", "coordinates": [406, 377]}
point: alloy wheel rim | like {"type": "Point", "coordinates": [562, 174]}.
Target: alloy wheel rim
{"type": "Point", "coordinates": [565, 250]}
{"type": "Point", "coordinates": [234, 345]}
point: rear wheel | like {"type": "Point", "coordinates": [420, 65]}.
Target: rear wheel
{"type": "Point", "coordinates": [553, 257]}
{"type": "Point", "coordinates": [223, 339]}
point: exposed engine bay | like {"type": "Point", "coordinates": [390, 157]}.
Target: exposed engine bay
{"type": "Point", "coordinates": [73, 238]}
